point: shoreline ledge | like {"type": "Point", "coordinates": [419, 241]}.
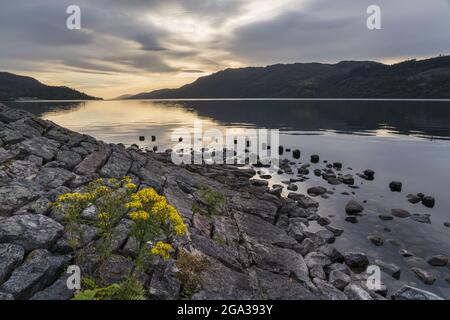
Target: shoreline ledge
{"type": "Point", "coordinates": [256, 248]}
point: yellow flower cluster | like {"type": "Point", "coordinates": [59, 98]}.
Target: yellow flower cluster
{"type": "Point", "coordinates": [161, 249]}
{"type": "Point", "coordinates": [130, 186]}
{"type": "Point", "coordinates": [159, 207]}
{"type": "Point", "coordinates": [103, 216]}
{"type": "Point", "coordinates": [102, 190]}
{"type": "Point", "coordinates": [127, 179]}
{"type": "Point", "coordinates": [139, 215]}
{"type": "Point", "coordinates": [72, 197]}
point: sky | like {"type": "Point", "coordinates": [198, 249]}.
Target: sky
{"type": "Point", "coordinates": [132, 46]}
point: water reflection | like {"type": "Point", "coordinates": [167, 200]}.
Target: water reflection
{"type": "Point", "coordinates": [429, 120]}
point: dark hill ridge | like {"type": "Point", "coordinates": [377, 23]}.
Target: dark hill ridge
{"type": "Point", "coordinates": [428, 78]}
{"type": "Point", "coordinates": [14, 87]}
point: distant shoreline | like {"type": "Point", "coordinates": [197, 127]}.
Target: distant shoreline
{"type": "Point", "coordinates": [246, 99]}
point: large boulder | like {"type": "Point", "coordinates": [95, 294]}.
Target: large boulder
{"type": "Point", "coordinates": [353, 208]}
{"type": "Point", "coordinates": [12, 197]}
{"type": "Point", "coordinates": [41, 147]}
{"type": "Point", "coordinates": [31, 231]}
{"type": "Point", "coordinates": [52, 178]}
{"type": "Point", "coordinates": [118, 165]}
{"type": "Point", "coordinates": [39, 270]}
{"type": "Point", "coordinates": [91, 164]}
{"type": "Point", "coordinates": [11, 256]}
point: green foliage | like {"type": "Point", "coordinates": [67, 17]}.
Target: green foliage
{"type": "Point", "coordinates": [128, 289]}
{"type": "Point", "coordinates": [219, 240]}
{"type": "Point", "coordinates": [212, 200]}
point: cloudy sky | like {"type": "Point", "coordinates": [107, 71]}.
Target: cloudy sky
{"type": "Point", "coordinates": [130, 46]}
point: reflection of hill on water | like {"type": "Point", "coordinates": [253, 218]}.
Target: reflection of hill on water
{"type": "Point", "coordinates": [407, 118]}
{"type": "Point", "coordinates": [41, 108]}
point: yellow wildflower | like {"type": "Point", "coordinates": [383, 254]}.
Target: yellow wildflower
{"type": "Point", "coordinates": [112, 180]}
{"type": "Point", "coordinates": [139, 215]}
{"type": "Point", "coordinates": [102, 190]}
{"type": "Point", "coordinates": [161, 249]}
{"type": "Point", "coordinates": [134, 204]}
{"type": "Point", "coordinates": [127, 179]}
{"type": "Point", "coordinates": [103, 216]}
{"type": "Point", "coordinates": [130, 186]}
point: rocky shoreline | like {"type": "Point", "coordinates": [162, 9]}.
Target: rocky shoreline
{"type": "Point", "coordinates": [256, 247]}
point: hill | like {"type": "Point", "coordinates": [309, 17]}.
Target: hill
{"type": "Point", "coordinates": [13, 87]}
{"type": "Point", "coordinates": [428, 78]}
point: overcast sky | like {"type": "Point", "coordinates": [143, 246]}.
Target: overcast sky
{"type": "Point", "coordinates": [130, 46]}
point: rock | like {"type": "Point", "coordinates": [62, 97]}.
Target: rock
{"type": "Point", "coordinates": [259, 183]}
{"type": "Point", "coordinates": [356, 260]}
{"type": "Point", "coordinates": [6, 296]}
{"type": "Point", "coordinates": [117, 165]}
{"type": "Point", "coordinates": [317, 272]}
{"type": "Point", "coordinates": [336, 231]}
{"type": "Point", "coordinates": [12, 197]}
{"type": "Point", "coordinates": [41, 147]}
{"type": "Point", "coordinates": [70, 158]}
{"type": "Point", "coordinates": [258, 230]}
{"type": "Point", "coordinates": [352, 219]}
{"type": "Point", "coordinates": [316, 191]}
{"type": "Point", "coordinates": [410, 293]}
{"type": "Point", "coordinates": [120, 234]}
{"type": "Point", "coordinates": [282, 261]}
{"type": "Point", "coordinates": [400, 213]}
{"type": "Point", "coordinates": [91, 164]}
{"type": "Point", "coordinates": [385, 217]}
{"type": "Point", "coordinates": [317, 258]}
{"type": "Point", "coordinates": [164, 285]}
{"type": "Point", "coordinates": [395, 186]}
{"type": "Point", "coordinates": [355, 292]}
{"type": "Point", "coordinates": [389, 268]}
{"type": "Point", "coordinates": [39, 270]}
{"type": "Point", "coordinates": [353, 208]}
{"type": "Point", "coordinates": [422, 218]}
{"type": "Point", "coordinates": [326, 235]}
{"type": "Point", "coordinates": [334, 181]}
{"type": "Point", "coordinates": [405, 253]}
{"type": "Point", "coordinates": [270, 286]}
{"type": "Point", "coordinates": [328, 290]}
{"type": "Point", "coordinates": [296, 154]}
{"type": "Point", "coordinates": [428, 202]}
{"type": "Point", "coordinates": [31, 231]}
{"type": "Point", "coordinates": [424, 275]}
{"type": "Point", "coordinates": [11, 256]}
{"type": "Point", "coordinates": [348, 179]}
{"type": "Point", "coordinates": [323, 221]}
{"type": "Point", "coordinates": [337, 165]}
{"type": "Point", "coordinates": [292, 187]}
{"type": "Point", "coordinates": [414, 261]}
{"type": "Point", "coordinates": [376, 240]}
{"type": "Point", "coordinates": [266, 176]}
{"type": "Point", "coordinates": [295, 230]}
{"type": "Point", "coordinates": [315, 158]}
{"type": "Point", "coordinates": [57, 291]}
{"type": "Point", "coordinates": [303, 201]}
{"type": "Point", "coordinates": [370, 174]}
{"type": "Point", "coordinates": [306, 246]}
{"type": "Point", "coordinates": [413, 198]}
{"type": "Point", "coordinates": [54, 177]}
{"type": "Point", "coordinates": [447, 224]}
{"type": "Point", "coordinates": [276, 190]}
{"type": "Point", "coordinates": [339, 279]}
{"type": "Point", "coordinates": [438, 260]}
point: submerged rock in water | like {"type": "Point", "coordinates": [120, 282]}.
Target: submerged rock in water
{"type": "Point", "coordinates": [400, 213]}
{"type": "Point", "coordinates": [353, 208]}
{"type": "Point", "coordinates": [356, 260]}
{"type": "Point", "coordinates": [424, 275]}
{"type": "Point", "coordinates": [395, 186]}
{"type": "Point", "coordinates": [422, 218]}
{"type": "Point", "coordinates": [413, 198]}
{"type": "Point", "coordinates": [428, 202]}
{"type": "Point", "coordinates": [410, 293]}
{"type": "Point", "coordinates": [438, 260]}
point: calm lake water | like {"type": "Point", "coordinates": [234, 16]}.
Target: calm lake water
{"type": "Point", "coordinates": [406, 141]}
